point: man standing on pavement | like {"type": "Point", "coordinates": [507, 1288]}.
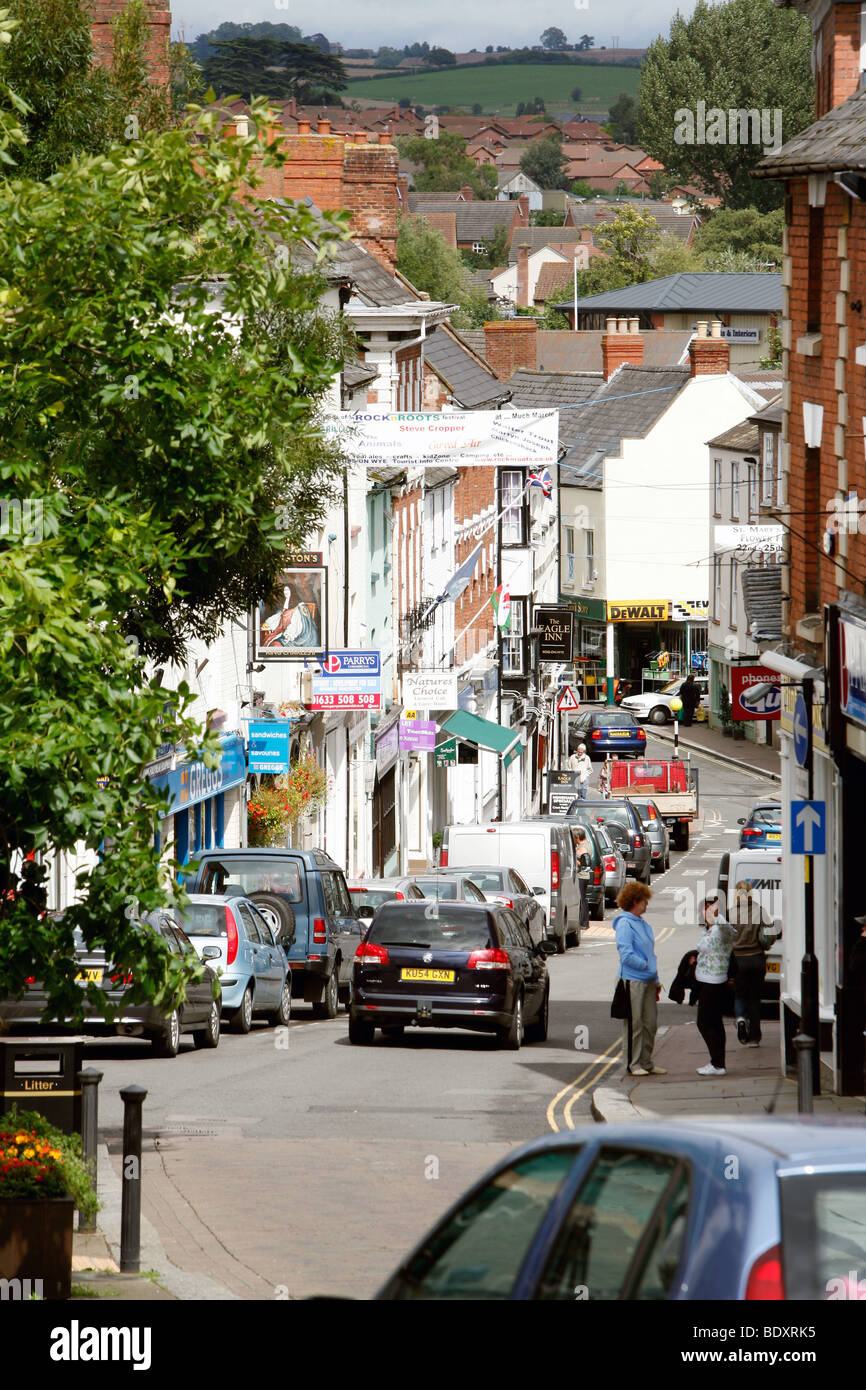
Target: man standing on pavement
{"type": "Point", "coordinates": [580, 763]}
{"type": "Point", "coordinates": [638, 967]}
{"type": "Point", "coordinates": [691, 698]}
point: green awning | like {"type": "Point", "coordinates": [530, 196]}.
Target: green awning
{"type": "Point", "coordinates": [515, 753]}
{"type": "Point", "coordinates": [484, 733]}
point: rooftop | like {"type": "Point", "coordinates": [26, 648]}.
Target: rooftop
{"type": "Point", "coordinates": [472, 384]}
{"type": "Point", "coordinates": [745, 292]}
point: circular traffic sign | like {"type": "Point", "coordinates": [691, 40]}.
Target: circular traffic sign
{"type": "Point", "coordinates": [802, 731]}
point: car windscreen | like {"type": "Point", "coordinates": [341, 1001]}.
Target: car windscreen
{"type": "Point", "coordinates": [258, 875]}
{"type": "Point", "coordinates": [204, 919]}
{"type": "Point", "coordinates": [438, 887]}
{"type": "Point", "coordinates": [452, 929]}
{"type": "Point", "coordinates": [767, 815]}
{"type": "Point", "coordinates": [371, 897]}
{"type": "Point", "coordinates": [613, 720]}
{"type": "Point", "coordinates": [823, 1234]}
{"type": "Point", "coordinates": [488, 880]}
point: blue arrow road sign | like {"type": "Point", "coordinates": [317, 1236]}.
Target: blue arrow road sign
{"type": "Point", "coordinates": [802, 731]}
{"type": "Point", "coordinates": [808, 827]}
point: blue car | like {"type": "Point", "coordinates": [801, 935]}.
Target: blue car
{"type": "Point", "coordinates": [651, 1211]}
{"type": "Point", "coordinates": [233, 938]}
{"type": "Point", "coordinates": [762, 829]}
{"type": "Point", "coordinates": [607, 731]}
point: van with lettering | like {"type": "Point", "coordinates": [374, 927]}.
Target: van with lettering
{"type": "Point", "coordinates": [762, 870]}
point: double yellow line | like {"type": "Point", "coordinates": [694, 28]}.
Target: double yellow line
{"type": "Point", "coordinates": [591, 1074]}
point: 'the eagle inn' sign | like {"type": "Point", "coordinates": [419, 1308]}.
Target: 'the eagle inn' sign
{"type": "Point", "coordinates": [638, 612]}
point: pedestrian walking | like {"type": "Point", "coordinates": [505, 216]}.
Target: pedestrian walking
{"type": "Point", "coordinates": [583, 859]}
{"type": "Point", "coordinates": [605, 776]}
{"type": "Point", "coordinates": [712, 974]}
{"type": "Point", "coordinates": [581, 763]}
{"type": "Point", "coordinates": [691, 697]}
{"type": "Point", "coordinates": [754, 933]}
{"type": "Point", "coordinates": [638, 968]}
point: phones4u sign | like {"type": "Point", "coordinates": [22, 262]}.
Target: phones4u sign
{"type": "Point", "coordinates": [556, 633]}
{"type": "Point", "coordinates": [756, 693]}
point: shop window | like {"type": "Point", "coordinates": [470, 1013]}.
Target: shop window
{"type": "Point", "coordinates": [589, 570]}
{"type": "Point", "coordinates": [717, 586]}
{"type": "Point", "coordinates": [569, 554]}
{"type": "Point", "coordinates": [768, 468]}
{"type": "Point", "coordinates": [732, 615]}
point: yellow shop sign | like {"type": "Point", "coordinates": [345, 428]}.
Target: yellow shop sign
{"type": "Point", "coordinates": [638, 612]}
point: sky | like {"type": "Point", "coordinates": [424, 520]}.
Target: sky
{"type": "Point", "coordinates": [456, 24]}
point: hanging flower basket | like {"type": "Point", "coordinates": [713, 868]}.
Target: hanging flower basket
{"type": "Point", "coordinates": [283, 801]}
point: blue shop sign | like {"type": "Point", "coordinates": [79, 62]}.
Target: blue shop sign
{"type": "Point", "coordinates": [269, 747]}
{"type": "Point", "coordinates": [191, 782]}
{"type": "Point", "coordinates": [852, 669]}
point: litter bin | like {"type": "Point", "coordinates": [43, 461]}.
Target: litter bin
{"type": "Point", "coordinates": [41, 1074]}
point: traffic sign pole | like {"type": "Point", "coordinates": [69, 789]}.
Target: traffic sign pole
{"type": "Point", "coordinates": [810, 1024]}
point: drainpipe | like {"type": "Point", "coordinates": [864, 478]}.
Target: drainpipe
{"type": "Point", "coordinates": [345, 644]}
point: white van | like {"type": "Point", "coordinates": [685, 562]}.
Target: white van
{"type": "Point", "coordinates": [541, 852]}
{"type": "Point", "coordinates": [762, 870]}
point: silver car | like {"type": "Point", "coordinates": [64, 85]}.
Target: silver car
{"type": "Point", "coordinates": [656, 832]}
{"type": "Point", "coordinates": [614, 863]}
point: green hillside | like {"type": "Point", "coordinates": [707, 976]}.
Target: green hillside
{"type": "Point", "coordinates": [500, 88]}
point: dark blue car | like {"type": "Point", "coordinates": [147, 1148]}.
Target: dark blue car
{"type": "Point", "coordinates": [607, 731]}
{"type": "Point", "coordinates": [698, 1209]}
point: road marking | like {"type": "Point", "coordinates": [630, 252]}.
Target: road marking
{"type": "Point", "coordinates": [600, 1064]}
{"type": "Point", "coordinates": [566, 1114]}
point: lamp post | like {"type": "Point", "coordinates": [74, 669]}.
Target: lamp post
{"type": "Point", "coordinates": [676, 706]}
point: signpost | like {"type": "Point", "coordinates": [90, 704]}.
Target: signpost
{"type": "Point", "coordinates": [808, 827]}
{"type": "Point", "coordinates": [567, 704]}
{"type": "Point", "coordinates": [351, 680]}
{"type": "Point", "coordinates": [808, 832]}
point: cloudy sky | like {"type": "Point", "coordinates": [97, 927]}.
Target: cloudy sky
{"type": "Point", "coordinates": [455, 24]}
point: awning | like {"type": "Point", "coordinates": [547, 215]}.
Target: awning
{"type": "Point", "coordinates": [484, 733]}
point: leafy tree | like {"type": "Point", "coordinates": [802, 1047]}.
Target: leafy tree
{"type": "Point", "coordinates": [748, 231]}
{"type": "Point", "coordinates": [436, 268]}
{"type": "Point", "coordinates": [773, 358]}
{"type": "Point", "coordinates": [477, 108]}
{"type": "Point", "coordinates": [672, 256]}
{"type": "Point", "coordinates": [581, 189]}
{"type": "Point", "coordinates": [274, 68]}
{"type": "Point", "coordinates": [548, 217]}
{"type": "Point", "coordinates": [489, 48]}
{"type": "Point", "coordinates": [545, 162]}
{"type": "Point", "coordinates": [631, 241]}
{"type": "Point", "coordinates": [576, 94]}
{"type": "Point", "coordinates": [554, 39]}
{"type": "Point", "coordinates": [405, 103]}
{"type": "Point", "coordinates": [170, 452]}
{"type": "Point", "coordinates": [623, 120]}
{"type": "Point", "coordinates": [495, 255]}
{"type": "Point", "coordinates": [741, 55]}
{"type": "Point", "coordinates": [388, 58]}
{"type": "Point", "coordinates": [446, 166]}
{"type": "Point", "coordinates": [442, 58]}
{"type": "Point", "coordinates": [202, 46]}
{"type": "Point", "coordinates": [550, 316]}
{"type": "Point", "coordinates": [584, 42]}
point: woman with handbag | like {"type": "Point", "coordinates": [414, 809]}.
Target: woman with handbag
{"type": "Point", "coordinates": [638, 987]}
{"type": "Point", "coordinates": [712, 971]}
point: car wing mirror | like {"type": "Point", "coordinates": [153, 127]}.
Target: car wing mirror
{"type": "Point", "coordinates": [211, 953]}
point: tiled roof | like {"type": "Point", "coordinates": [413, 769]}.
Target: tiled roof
{"type": "Point", "coordinates": [475, 221]}
{"type": "Point", "coordinates": [836, 141]}
{"type": "Point", "coordinates": [555, 275]}
{"type": "Point", "coordinates": [544, 390]}
{"type": "Point", "coordinates": [762, 600]}
{"type": "Point", "coordinates": [626, 407]}
{"type": "Point", "coordinates": [745, 292]}
{"type": "Point", "coordinates": [445, 223]}
{"type": "Point", "coordinates": [743, 438]}
{"type": "Point", "coordinates": [470, 382]}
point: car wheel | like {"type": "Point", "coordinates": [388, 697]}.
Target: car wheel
{"type": "Point", "coordinates": [279, 916]}
{"type": "Point", "coordinates": [537, 1031]}
{"type": "Point", "coordinates": [167, 1043]}
{"type": "Point", "coordinates": [512, 1036]}
{"type": "Point", "coordinates": [209, 1036]}
{"type": "Point", "coordinates": [330, 1002]}
{"type": "Point", "coordinates": [242, 1017]}
{"type": "Point", "coordinates": [560, 944]}
{"type": "Point", "coordinates": [360, 1032]}
{"type": "Point", "coordinates": [281, 1016]}
{"type": "Point", "coordinates": [660, 715]}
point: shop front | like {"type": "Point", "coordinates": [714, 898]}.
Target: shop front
{"type": "Point", "coordinates": [207, 804]}
{"type": "Point", "coordinates": [651, 642]}
{"type": "Point", "coordinates": [590, 619]}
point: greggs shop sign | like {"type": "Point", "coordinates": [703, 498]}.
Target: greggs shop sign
{"type": "Point", "coordinates": [638, 612]}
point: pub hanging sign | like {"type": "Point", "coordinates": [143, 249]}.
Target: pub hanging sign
{"type": "Point", "coordinates": [556, 634]}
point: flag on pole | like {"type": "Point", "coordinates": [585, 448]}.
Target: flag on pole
{"type": "Point", "coordinates": [462, 578]}
{"type": "Point", "coordinates": [542, 480]}
{"type": "Point", "coordinates": [501, 600]}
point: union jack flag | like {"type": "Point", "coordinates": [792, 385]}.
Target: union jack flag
{"type": "Point", "coordinates": [542, 480]}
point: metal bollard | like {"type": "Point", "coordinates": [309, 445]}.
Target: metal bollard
{"type": "Point", "coordinates": [130, 1211]}
{"type": "Point", "coordinates": [89, 1080]}
{"type": "Point", "coordinates": [804, 1045]}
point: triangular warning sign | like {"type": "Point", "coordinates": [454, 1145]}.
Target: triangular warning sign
{"type": "Point", "coordinates": [567, 701]}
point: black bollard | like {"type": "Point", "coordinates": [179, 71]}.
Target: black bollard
{"type": "Point", "coordinates": [804, 1045]}
{"type": "Point", "coordinates": [130, 1211]}
{"type": "Point", "coordinates": [89, 1080]}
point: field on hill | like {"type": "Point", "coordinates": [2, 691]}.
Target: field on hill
{"type": "Point", "coordinates": [500, 88]}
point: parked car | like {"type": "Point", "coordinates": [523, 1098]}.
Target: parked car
{"type": "Point", "coordinates": [623, 823]}
{"type": "Point", "coordinates": [198, 1013]}
{"type": "Point", "coordinates": [303, 897]}
{"type": "Point", "coordinates": [613, 860]}
{"type": "Point", "coordinates": [254, 971]}
{"type": "Point", "coordinates": [643, 1211]}
{"type": "Point", "coordinates": [454, 886]}
{"type": "Point", "coordinates": [656, 830]}
{"type": "Point", "coordinates": [368, 894]}
{"type": "Point", "coordinates": [542, 852]}
{"type": "Point", "coordinates": [595, 883]}
{"type": "Point", "coordinates": [762, 870]}
{"type": "Point", "coordinates": [763, 825]}
{"type": "Point", "coordinates": [450, 965]}
{"type": "Point", "coordinates": [607, 731]}
{"type": "Point", "coordinates": [499, 883]}
{"type": "Point", "coordinates": [654, 706]}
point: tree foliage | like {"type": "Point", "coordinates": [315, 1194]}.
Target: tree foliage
{"type": "Point", "coordinates": [446, 166]}
{"type": "Point", "coordinates": [545, 162]}
{"type": "Point", "coordinates": [554, 39]}
{"type": "Point", "coordinates": [623, 119]}
{"type": "Point", "coordinates": [631, 241]}
{"type": "Point", "coordinates": [436, 268]}
{"type": "Point", "coordinates": [276, 68]}
{"type": "Point", "coordinates": [746, 231]}
{"type": "Point", "coordinates": [740, 55]}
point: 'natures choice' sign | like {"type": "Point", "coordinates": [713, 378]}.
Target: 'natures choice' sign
{"type": "Point", "coordinates": [516, 438]}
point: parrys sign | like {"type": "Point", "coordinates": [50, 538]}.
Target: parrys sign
{"type": "Point", "coordinates": [852, 670]}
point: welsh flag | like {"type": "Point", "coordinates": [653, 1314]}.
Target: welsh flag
{"type": "Point", "coordinates": [501, 600]}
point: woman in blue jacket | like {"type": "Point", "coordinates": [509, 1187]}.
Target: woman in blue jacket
{"type": "Point", "coordinates": [637, 965]}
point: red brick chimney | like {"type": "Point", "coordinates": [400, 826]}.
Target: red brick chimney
{"type": "Point", "coordinates": [836, 46]}
{"type": "Point", "coordinates": [523, 253]}
{"type": "Point", "coordinates": [467, 195]}
{"type": "Point", "coordinates": [159, 26]}
{"type": "Point", "coordinates": [510, 344]}
{"type": "Point", "coordinates": [621, 345]}
{"type": "Point", "coordinates": [709, 353]}
{"type": "Point", "coordinates": [522, 205]}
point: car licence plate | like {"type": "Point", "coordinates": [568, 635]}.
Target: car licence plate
{"type": "Point", "coordinates": [774, 967]}
{"type": "Point", "coordinates": [774, 834]}
{"type": "Point", "coordinates": [620, 733]}
{"type": "Point", "coordinates": [89, 976]}
{"type": "Point", "coordinates": [440, 976]}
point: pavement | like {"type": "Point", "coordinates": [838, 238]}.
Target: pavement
{"type": "Point", "coordinates": [754, 1084]}
{"type": "Point", "coordinates": [698, 738]}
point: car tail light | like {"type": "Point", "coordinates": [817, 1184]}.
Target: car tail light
{"type": "Point", "coordinates": [506, 902]}
{"type": "Point", "coordinates": [638, 841]}
{"type": "Point", "coordinates": [597, 733]}
{"type": "Point", "coordinates": [554, 868]}
{"type": "Point", "coordinates": [751, 830]}
{"type": "Point", "coordinates": [493, 959]}
{"type": "Point", "coordinates": [368, 953]}
{"type": "Point", "coordinates": [443, 859]}
{"type": "Point", "coordinates": [610, 865]}
{"type": "Point", "coordinates": [641, 734]}
{"type": "Point", "coordinates": [31, 980]}
{"type": "Point", "coordinates": [652, 812]}
{"type": "Point", "coordinates": [765, 1277]}
{"type": "Point", "coordinates": [232, 934]}
{"type": "Point", "coordinates": [596, 874]}
{"type": "Point", "coordinates": [320, 930]}
{"type": "Point", "coordinates": [399, 896]}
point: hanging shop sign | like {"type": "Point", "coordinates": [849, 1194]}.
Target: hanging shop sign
{"type": "Point", "coordinates": [269, 747]}
{"type": "Point", "coordinates": [446, 753]}
{"type": "Point", "coordinates": [852, 669]}
{"type": "Point", "coordinates": [418, 735]}
{"type": "Point", "coordinates": [429, 690]}
{"type": "Point", "coordinates": [639, 612]}
{"type": "Point", "coordinates": [756, 693]}
{"type": "Point", "coordinates": [387, 747]}
{"type": "Point", "coordinates": [556, 633]}
{"type": "Point", "coordinates": [292, 624]}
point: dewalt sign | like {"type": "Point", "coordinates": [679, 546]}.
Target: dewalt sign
{"type": "Point", "coordinates": [638, 612]}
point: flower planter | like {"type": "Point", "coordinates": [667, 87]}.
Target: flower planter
{"type": "Point", "coordinates": [36, 1244]}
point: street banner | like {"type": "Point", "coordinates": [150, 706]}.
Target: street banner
{"type": "Point", "coordinates": [485, 438]}
{"type": "Point", "coordinates": [427, 690]}
{"type": "Point", "coordinates": [418, 735]}
{"type": "Point", "coordinates": [764, 540]}
{"type": "Point", "coordinates": [756, 693]}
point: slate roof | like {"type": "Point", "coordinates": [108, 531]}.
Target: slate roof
{"type": "Point", "coordinates": [743, 292]}
{"type": "Point", "coordinates": [470, 382]}
{"type": "Point", "coordinates": [772, 415]}
{"type": "Point", "coordinates": [626, 407]}
{"type": "Point", "coordinates": [475, 221]}
{"type": "Point", "coordinates": [836, 141]}
{"type": "Point", "coordinates": [593, 214]}
{"type": "Point", "coordinates": [356, 373]}
{"type": "Point", "coordinates": [349, 261]}
{"type": "Point", "coordinates": [743, 438]}
{"type": "Point", "coordinates": [546, 390]}
{"type": "Point", "coordinates": [762, 600]}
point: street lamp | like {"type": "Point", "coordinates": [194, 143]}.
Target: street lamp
{"type": "Point", "coordinates": [676, 706]}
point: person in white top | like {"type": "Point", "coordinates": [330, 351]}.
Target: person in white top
{"type": "Point", "coordinates": [712, 972]}
{"type": "Point", "coordinates": [580, 763]}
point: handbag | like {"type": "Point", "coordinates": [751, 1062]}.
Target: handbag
{"type": "Point", "coordinates": [621, 1003]}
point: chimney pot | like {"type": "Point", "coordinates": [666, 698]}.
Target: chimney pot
{"type": "Point", "coordinates": [323, 127]}
{"type": "Point", "coordinates": [611, 325]}
{"type": "Point", "coordinates": [303, 126]}
{"type": "Point", "coordinates": [633, 325]}
{"type": "Point", "coordinates": [622, 345]}
{"type": "Point", "coordinates": [510, 344]}
{"type": "Point", "coordinates": [717, 329]}
{"type": "Point", "coordinates": [384, 137]}
{"type": "Point", "coordinates": [622, 325]}
{"type": "Point", "coordinates": [702, 328]}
